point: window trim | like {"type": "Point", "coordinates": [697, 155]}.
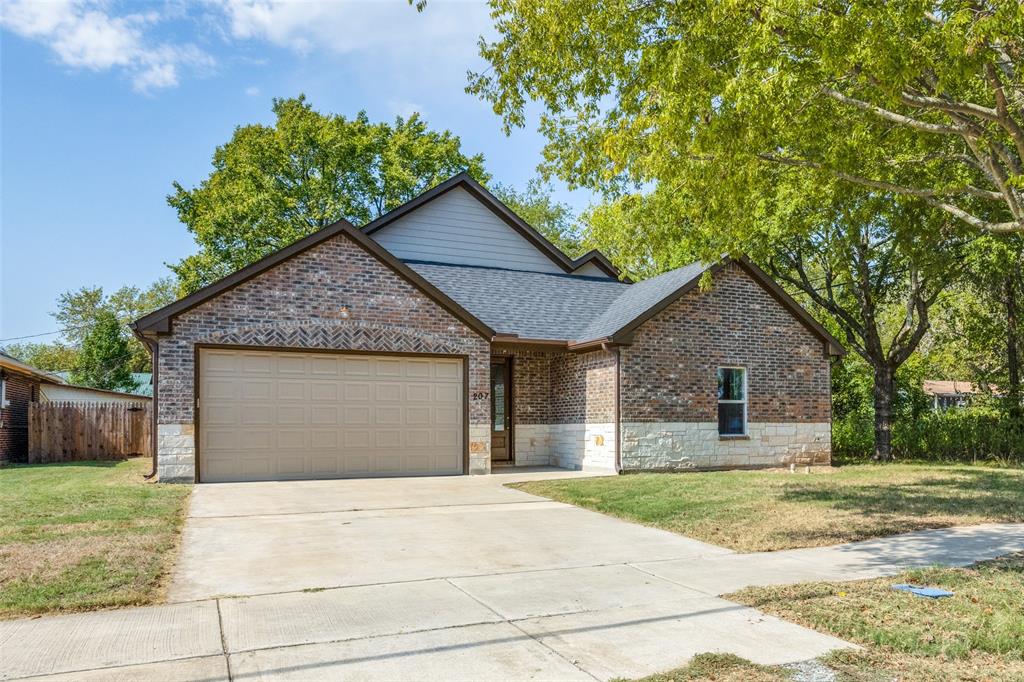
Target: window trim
{"type": "Point", "coordinates": [746, 429]}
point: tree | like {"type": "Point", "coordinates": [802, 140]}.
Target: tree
{"type": "Point", "coordinates": [551, 218]}
{"type": "Point", "coordinates": [49, 357]}
{"type": "Point", "coordinates": [78, 311]}
{"type": "Point", "coordinates": [856, 259]}
{"type": "Point", "coordinates": [104, 357]}
{"type": "Point", "coordinates": [919, 99]}
{"type": "Point", "coordinates": [272, 185]}
{"type": "Point", "coordinates": [979, 326]}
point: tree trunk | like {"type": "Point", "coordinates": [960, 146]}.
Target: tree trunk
{"type": "Point", "coordinates": [883, 393]}
{"type": "Point", "coordinates": [1012, 359]}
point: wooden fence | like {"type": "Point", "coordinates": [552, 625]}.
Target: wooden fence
{"type": "Point", "coordinates": [70, 432]}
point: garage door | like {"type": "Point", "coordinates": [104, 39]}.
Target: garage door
{"type": "Point", "coordinates": [290, 415]}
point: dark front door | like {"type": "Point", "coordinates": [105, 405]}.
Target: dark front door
{"type": "Point", "coordinates": [501, 410]}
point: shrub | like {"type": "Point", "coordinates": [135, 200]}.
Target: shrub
{"type": "Point", "coordinates": [979, 434]}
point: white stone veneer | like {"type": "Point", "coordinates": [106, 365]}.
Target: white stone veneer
{"type": "Point", "coordinates": [479, 448]}
{"type": "Point", "coordinates": [697, 445]}
{"type": "Point", "coordinates": [590, 447]}
{"type": "Point", "coordinates": [176, 453]}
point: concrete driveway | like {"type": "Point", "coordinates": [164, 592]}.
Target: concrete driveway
{"type": "Point", "coordinates": [448, 579]}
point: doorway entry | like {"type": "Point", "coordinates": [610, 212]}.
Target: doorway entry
{"type": "Point", "coordinates": [501, 411]}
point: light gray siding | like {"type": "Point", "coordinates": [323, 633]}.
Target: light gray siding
{"type": "Point", "coordinates": [456, 228]}
{"type": "Point", "coordinates": [591, 270]}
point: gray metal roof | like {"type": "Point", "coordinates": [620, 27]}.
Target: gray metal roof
{"type": "Point", "coordinates": [537, 305]}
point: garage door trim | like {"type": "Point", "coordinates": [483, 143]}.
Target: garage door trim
{"type": "Point", "coordinates": [328, 351]}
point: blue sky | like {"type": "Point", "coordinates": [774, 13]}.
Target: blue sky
{"type": "Point", "coordinates": [105, 103]}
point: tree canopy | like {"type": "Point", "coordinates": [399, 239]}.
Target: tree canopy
{"type": "Point", "coordinates": [274, 184]}
{"type": "Point", "coordinates": [103, 360]}
{"type": "Point", "coordinates": [921, 99]}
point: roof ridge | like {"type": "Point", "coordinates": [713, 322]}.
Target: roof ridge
{"type": "Point", "coordinates": [569, 275]}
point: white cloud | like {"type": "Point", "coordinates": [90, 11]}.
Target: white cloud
{"type": "Point", "coordinates": [83, 34]}
{"type": "Point", "coordinates": [252, 91]}
{"type": "Point", "coordinates": [344, 27]}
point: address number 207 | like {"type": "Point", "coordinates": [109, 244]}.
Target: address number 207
{"type": "Point", "coordinates": [480, 395]}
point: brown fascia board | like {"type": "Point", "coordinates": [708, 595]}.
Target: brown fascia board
{"type": "Point", "coordinates": [833, 346]}
{"type": "Point", "coordinates": [159, 321]}
{"type": "Point", "coordinates": [466, 181]}
{"type": "Point", "coordinates": [601, 261]}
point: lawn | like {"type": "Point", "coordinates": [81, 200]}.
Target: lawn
{"type": "Point", "coordinates": [85, 535]}
{"type": "Point", "coordinates": [754, 511]}
{"type": "Point", "coordinates": [977, 634]}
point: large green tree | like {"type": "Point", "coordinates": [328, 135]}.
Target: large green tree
{"type": "Point", "coordinates": [274, 184]}
{"type": "Point", "coordinates": [103, 360]}
{"type": "Point", "coordinates": [49, 357]}
{"type": "Point", "coordinates": [922, 98]}
{"type": "Point", "coordinates": [78, 312]}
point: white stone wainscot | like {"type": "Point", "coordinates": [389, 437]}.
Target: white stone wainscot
{"type": "Point", "coordinates": [659, 446]}
{"type": "Point", "coordinates": [532, 444]}
{"type": "Point", "coordinates": [589, 447]}
{"type": "Point", "coordinates": [176, 453]}
{"type": "Point", "coordinates": [479, 448]}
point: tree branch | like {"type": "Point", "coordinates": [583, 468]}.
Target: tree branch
{"type": "Point", "coordinates": [893, 116]}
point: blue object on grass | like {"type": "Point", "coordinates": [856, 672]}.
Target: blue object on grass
{"type": "Point", "coordinates": [931, 592]}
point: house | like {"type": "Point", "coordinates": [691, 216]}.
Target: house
{"type": "Point", "coordinates": [22, 384]}
{"type": "Point", "coordinates": [450, 337]}
{"type": "Point", "coordinates": [67, 392]}
{"type": "Point", "coordinates": [947, 394]}
{"type": "Point", "coordinates": [19, 385]}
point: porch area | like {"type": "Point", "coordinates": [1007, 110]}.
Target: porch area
{"type": "Point", "coordinates": [553, 408]}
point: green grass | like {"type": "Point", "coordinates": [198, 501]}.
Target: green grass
{"type": "Point", "coordinates": [85, 535]}
{"type": "Point", "coordinates": [752, 511]}
{"type": "Point", "coordinates": [977, 634]}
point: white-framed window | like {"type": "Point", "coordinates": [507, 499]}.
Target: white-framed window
{"type": "Point", "coordinates": [3, 393]}
{"type": "Point", "coordinates": [732, 401]}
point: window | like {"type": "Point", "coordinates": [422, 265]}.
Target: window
{"type": "Point", "coordinates": [732, 401]}
{"type": "Point", "coordinates": [4, 404]}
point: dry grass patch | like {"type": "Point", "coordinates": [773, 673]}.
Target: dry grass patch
{"type": "Point", "coordinates": [977, 634]}
{"type": "Point", "coordinates": [721, 668]}
{"type": "Point", "coordinates": [756, 511]}
{"type": "Point", "coordinates": [85, 535]}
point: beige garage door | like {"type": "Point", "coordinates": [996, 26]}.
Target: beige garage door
{"type": "Point", "coordinates": [289, 415]}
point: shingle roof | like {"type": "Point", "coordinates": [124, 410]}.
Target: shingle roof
{"type": "Point", "coordinates": [638, 299]}
{"type": "Point", "coordinates": [537, 305]}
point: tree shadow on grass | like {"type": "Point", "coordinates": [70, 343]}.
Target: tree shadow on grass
{"type": "Point", "coordinates": [969, 493]}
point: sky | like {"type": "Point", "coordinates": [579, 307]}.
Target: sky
{"type": "Point", "coordinates": [103, 104]}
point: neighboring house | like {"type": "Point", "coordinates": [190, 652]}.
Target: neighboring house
{"type": "Point", "coordinates": [449, 337]}
{"type": "Point", "coordinates": [143, 390]}
{"type": "Point", "coordinates": [69, 393]}
{"type": "Point", "coordinates": [947, 394]}
{"type": "Point", "coordinates": [19, 385]}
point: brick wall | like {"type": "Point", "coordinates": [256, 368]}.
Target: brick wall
{"type": "Point", "coordinates": [669, 373]}
{"type": "Point", "coordinates": [583, 388]}
{"type": "Point", "coordinates": [21, 390]}
{"type": "Point", "coordinates": [531, 385]}
{"type": "Point", "coordinates": [297, 304]}
{"type": "Point", "coordinates": [669, 399]}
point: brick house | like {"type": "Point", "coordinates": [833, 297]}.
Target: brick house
{"type": "Point", "coordinates": [449, 337]}
{"type": "Point", "coordinates": [19, 386]}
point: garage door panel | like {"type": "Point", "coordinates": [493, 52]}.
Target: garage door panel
{"type": "Point", "coordinates": [287, 415]}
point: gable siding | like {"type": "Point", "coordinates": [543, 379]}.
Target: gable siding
{"type": "Point", "coordinates": [456, 228]}
{"type": "Point", "coordinates": [591, 270]}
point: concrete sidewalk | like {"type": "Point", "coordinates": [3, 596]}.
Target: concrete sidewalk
{"type": "Point", "coordinates": [578, 623]}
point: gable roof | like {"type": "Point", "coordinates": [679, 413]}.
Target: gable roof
{"type": "Point", "coordinates": [584, 311]}
{"type": "Point", "coordinates": [530, 305]}
{"type": "Point", "coordinates": [465, 181]}
{"type": "Point", "coordinates": [159, 321]}
{"type": "Point", "coordinates": [13, 364]}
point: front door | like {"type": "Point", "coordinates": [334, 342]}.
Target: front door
{"type": "Point", "coordinates": [501, 410]}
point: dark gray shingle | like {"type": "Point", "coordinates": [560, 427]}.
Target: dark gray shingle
{"type": "Point", "coordinates": [536, 305]}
